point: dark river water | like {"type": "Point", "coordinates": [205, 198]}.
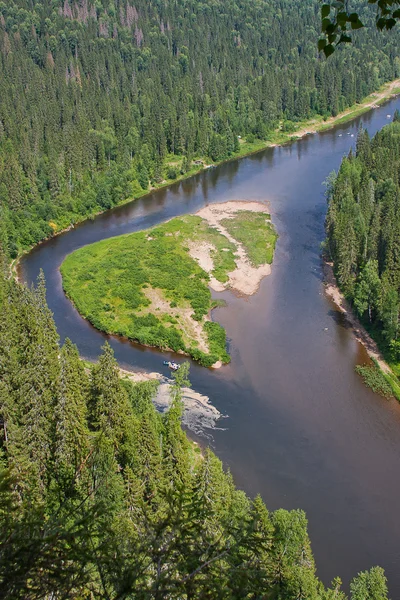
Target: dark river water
{"type": "Point", "coordinates": [301, 428]}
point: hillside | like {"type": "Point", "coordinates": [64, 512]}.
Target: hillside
{"type": "Point", "coordinates": [100, 100]}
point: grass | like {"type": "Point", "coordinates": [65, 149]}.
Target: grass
{"type": "Point", "coordinates": [256, 234]}
{"type": "Point", "coordinates": [375, 379]}
{"type": "Point", "coordinates": [147, 287]}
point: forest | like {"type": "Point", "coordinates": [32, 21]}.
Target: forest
{"type": "Point", "coordinates": [103, 99]}
{"type": "Point", "coordinates": [103, 497]}
{"type": "Point", "coordinates": [100, 495]}
{"type": "Point", "coordinates": [363, 233]}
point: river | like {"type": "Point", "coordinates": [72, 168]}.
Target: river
{"type": "Point", "coordinates": [301, 428]}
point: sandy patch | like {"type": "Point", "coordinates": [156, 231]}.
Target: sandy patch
{"type": "Point", "coordinates": [361, 334]}
{"type": "Point", "coordinates": [201, 252]}
{"type": "Point", "coordinates": [192, 330]}
{"type": "Point", "coordinates": [245, 279]}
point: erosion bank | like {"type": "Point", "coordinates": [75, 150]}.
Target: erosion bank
{"type": "Point", "coordinates": [153, 286]}
{"type": "Point", "coordinates": [361, 334]}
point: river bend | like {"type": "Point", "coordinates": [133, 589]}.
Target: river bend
{"type": "Point", "coordinates": [301, 428]}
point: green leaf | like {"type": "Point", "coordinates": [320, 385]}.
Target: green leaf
{"type": "Point", "coordinates": [342, 18]}
{"type": "Point", "coordinates": [381, 23]}
{"type": "Point", "coordinates": [346, 39]}
{"type": "Point", "coordinates": [390, 23]}
{"type": "Point", "coordinates": [332, 37]}
{"type": "Point", "coordinates": [325, 23]}
{"type": "Point", "coordinates": [325, 10]}
{"type": "Point", "coordinates": [357, 25]}
{"type": "Point", "coordinates": [321, 44]}
{"type": "Point", "coordinates": [328, 50]}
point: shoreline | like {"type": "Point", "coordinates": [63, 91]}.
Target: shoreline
{"type": "Point", "coordinates": [199, 413]}
{"type": "Point", "coordinates": [360, 333]}
{"type": "Point", "coordinates": [243, 280]}
{"type": "Point", "coordinates": [384, 94]}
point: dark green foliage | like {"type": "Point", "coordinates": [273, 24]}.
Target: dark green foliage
{"type": "Point", "coordinates": [338, 21]}
{"type": "Point", "coordinates": [109, 499]}
{"type": "Point", "coordinates": [363, 228]}
{"type": "Point", "coordinates": [100, 99]}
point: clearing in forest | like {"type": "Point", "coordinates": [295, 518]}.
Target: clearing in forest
{"type": "Point", "coordinates": [154, 286]}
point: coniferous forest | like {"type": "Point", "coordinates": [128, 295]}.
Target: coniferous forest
{"type": "Point", "coordinates": [363, 235]}
{"type": "Point", "coordinates": [100, 99]}
{"type": "Point", "coordinates": [103, 497]}
{"type": "Point", "coordinates": [100, 495]}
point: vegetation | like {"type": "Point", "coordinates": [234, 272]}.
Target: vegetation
{"type": "Point", "coordinates": [338, 20]}
{"type": "Point", "coordinates": [146, 285]}
{"type": "Point", "coordinates": [375, 379]}
{"type": "Point", "coordinates": [363, 228]}
{"type": "Point", "coordinates": [102, 497]}
{"type": "Point", "coordinates": [256, 233]}
{"type": "Point", "coordinates": [103, 99]}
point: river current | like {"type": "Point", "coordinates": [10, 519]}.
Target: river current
{"type": "Point", "coordinates": [300, 426]}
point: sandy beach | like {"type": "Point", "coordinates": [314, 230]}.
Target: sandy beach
{"type": "Point", "coordinates": [246, 278]}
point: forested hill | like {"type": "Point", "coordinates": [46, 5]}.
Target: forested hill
{"type": "Point", "coordinates": [99, 99]}
{"type": "Point", "coordinates": [101, 497]}
{"type": "Point", "coordinates": [363, 227]}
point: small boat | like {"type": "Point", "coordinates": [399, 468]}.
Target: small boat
{"type": "Point", "coordinates": [172, 365]}
{"type": "Point", "coordinates": [388, 116]}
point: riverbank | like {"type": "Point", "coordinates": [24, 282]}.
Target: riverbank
{"type": "Point", "coordinates": [245, 279]}
{"type": "Point", "coordinates": [360, 333]}
{"type": "Point", "coordinates": [153, 286]}
{"type": "Point", "coordinates": [199, 414]}
{"type": "Point", "coordinates": [277, 138]}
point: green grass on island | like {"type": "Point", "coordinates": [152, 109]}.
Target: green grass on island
{"type": "Point", "coordinates": [255, 234]}
{"type": "Point", "coordinates": [147, 286]}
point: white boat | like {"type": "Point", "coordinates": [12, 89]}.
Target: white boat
{"type": "Point", "coordinates": [172, 365]}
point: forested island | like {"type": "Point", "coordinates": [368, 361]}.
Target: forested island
{"type": "Point", "coordinates": [363, 236]}
{"type": "Point", "coordinates": [153, 286]}
{"type": "Point", "coordinates": [101, 496]}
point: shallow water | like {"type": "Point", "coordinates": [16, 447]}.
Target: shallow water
{"type": "Point", "coordinates": [302, 428]}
